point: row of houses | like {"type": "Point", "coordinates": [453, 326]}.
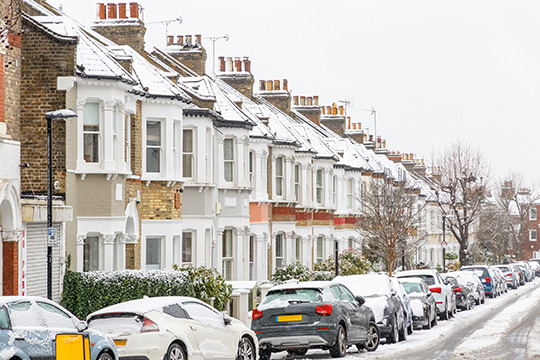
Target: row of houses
{"type": "Point", "coordinates": [165, 164]}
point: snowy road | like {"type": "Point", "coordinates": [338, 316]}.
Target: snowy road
{"type": "Point", "coordinates": [507, 327]}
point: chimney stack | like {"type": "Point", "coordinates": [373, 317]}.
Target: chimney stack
{"type": "Point", "coordinates": [237, 73]}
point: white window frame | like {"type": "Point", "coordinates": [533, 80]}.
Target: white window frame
{"type": "Point", "coordinates": [187, 251]}
{"type": "Point", "coordinates": [280, 250]}
{"type": "Point", "coordinates": [251, 167]}
{"type": "Point", "coordinates": [319, 249]}
{"type": "Point", "coordinates": [229, 163]}
{"type": "Point", "coordinates": [227, 257]}
{"type": "Point", "coordinates": [298, 249]}
{"type": "Point", "coordinates": [297, 177]}
{"type": "Point", "coordinates": [533, 214]}
{"type": "Point", "coordinates": [161, 242]}
{"type": "Point", "coordinates": [99, 254]}
{"type": "Point", "coordinates": [279, 174]}
{"type": "Point", "coordinates": [334, 190]}
{"type": "Point", "coordinates": [533, 235]}
{"type": "Point", "coordinates": [188, 169]}
{"type": "Point", "coordinates": [159, 147]}
{"type": "Point", "coordinates": [350, 193]}
{"type": "Point", "coordinates": [93, 132]}
{"type": "Point", "coordinates": [251, 256]}
{"type": "Point", "coordinates": [319, 186]}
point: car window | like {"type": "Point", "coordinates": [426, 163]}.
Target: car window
{"type": "Point", "coordinates": [337, 294]}
{"type": "Point", "coordinates": [199, 311]}
{"type": "Point", "coordinates": [55, 317]}
{"type": "Point", "coordinates": [4, 320]}
{"type": "Point", "coordinates": [22, 314]}
{"type": "Point", "coordinates": [308, 294]}
{"type": "Point", "coordinates": [429, 279]}
{"type": "Point", "coordinates": [176, 311]}
{"type": "Point", "coordinates": [126, 323]}
{"type": "Point", "coordinates": [347, 294]}
{"type": "Point", "coordinates": [412, 287]}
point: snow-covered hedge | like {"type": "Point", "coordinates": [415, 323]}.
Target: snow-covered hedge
{"type": "Point", "coordinates": [87, 292]}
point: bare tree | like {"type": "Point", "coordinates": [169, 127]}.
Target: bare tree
{"type": "Point", "coordinates": [493, 237]}
{"type": "Point", "coordinates": [463, 173]}
{"type": "Point", "coordinates": [390, 221]}
{"type": "Point", "coordinates": [516, 199]}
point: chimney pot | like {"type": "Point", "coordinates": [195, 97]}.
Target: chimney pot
{"type": "Point", "coordinates": [323, 110]}
{"type": "Point", "coordinates": [353, 125]}
{"type": "Point", "coordinates": [170, 40]}
{"type": "Point", "coordinates": [238, 64]}
{"type": "Point", "coordinates": [295, 99]}
{"type": "Point", "coordinates": [269, 85]}
{"type": "Point", "coordinates": [341, 110]}
{"type": "Point", "coordinates": [198, 38]}
{"type": "Point", "coordinates": [277, 85]}
{"type": "Point", "coordinates": [411, 156]}
{"type": "Point", "coordinates": [371, 138]}
{"type": "Point", "coordinates": [285, 85]}
{"type": "Point", "coordinates": [134, 10]}
{"type": "Point", "coordinates": [101, 11]}
{"type": "Point", "coordinates": [180, 39]}
{"type": "Point", "coordinates": [309, 101]}
{"type": "Point", "coordinates": [316, 100]}
{"type": "Point", "coordinates": [328, 110]}
{"type": "Point", "coordinates": [334, 109]}
{"type": "Point", "coordinates": [229, 65]}
{"type": "Point", "coordinates": [122, 14]}
{"type": "Point", "coordinates": [262, 85]}
{"type": "Point", "coordinates": [111, 11]}
{"type": "Point", "coordinates": [221, 63]}
{"type": "Point", "coordinates": [302, 100]}
{"type": "Point", "coordinates": [247, 64]}
{"type": "Point", "coordinates": [188, 40]}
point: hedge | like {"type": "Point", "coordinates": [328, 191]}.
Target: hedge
{"type": "Point", "coordinates": [87, 292]}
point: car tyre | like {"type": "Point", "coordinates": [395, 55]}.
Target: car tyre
{"type": "Point", "coordinates": [105, 355]}
{"type": "Point", "coordinates": [246, 350]}
{"type": "Point", "coordinates": [264, 354]}
{"type": "Point", "coordinates": [372, 343]}
{"type": "Point", "coordinates": [339, 349]}
{"type": "Point", "coordinates": [410, 329]}
{"type": "Point", "coordinates": [403, 332]}
{"type": "Point", "coordinates": [175, 352]}
{"type": "Point", "coordinates": [393, 337]}
{"type": "Point", "coordinates": [444, 315]}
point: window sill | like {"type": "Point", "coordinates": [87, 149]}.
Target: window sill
{"type": "Point", "coordinates": [111, 174]}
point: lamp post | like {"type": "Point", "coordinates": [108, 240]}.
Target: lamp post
{"type": "Point", "coordinates": [336, 251]}
{"type": "Point", "coordinates": [444, 244]}
{"type": "Point", "coordinates": [50, 116]}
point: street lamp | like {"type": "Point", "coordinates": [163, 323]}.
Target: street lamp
{"type": "Point", "coordinates": [50, 116]}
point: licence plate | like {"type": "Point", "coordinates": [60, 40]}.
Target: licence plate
{"type": "Point", "coordinates": [285, 318]}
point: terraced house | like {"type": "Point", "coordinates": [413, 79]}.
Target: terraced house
{"type": "Point", "coordinates": [166, 164]}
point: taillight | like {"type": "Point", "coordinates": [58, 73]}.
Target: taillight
{"type": "Point", "coordinates": [436, 289]}
{"type": "Point", "coordinates": [256, 314]}
{"type": "Point", "coordinates": [488, 280]}
{"type": "Point", "coordinates": [458, 289]}
{"type": "Point", "coordinates": [509, 274]}
{"type": "Point", "coordinates": [149, 326]}
{"type": "Point", "coordinates": [324, 310]}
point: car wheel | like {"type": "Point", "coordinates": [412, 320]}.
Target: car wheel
{"type": "Point", "coordinates": [372, 342]}
{"type": "Point", "coordinates": [444, 315]}
{"type": "Point", "coordinates": [246, 350]}
{"type": "Point", "coordinates": [264, 354]}
{"type": "Point", "coordinates": [297, 352]}
{"type": "Point", "coordinates": [175, 352]}
{"type": "Point", "coordinates": [473, 303]}
{"type": "Point", "coordinates": [403, 332]}
{"type": "Point", "coordinates": [105, 356]}
{"type": "Point", "coordinates": [393, 337]}
{"type": "Point", "coordinates": [410, 329]}
{"type": "Point", "coordinates": [339, 348]}
{"type": "Point", "coordinates": [429, 324]}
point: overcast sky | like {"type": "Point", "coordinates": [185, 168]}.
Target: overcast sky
{"type": "Point", "coordinates": [435, 71]}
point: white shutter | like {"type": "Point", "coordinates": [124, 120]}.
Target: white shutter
{"type": "Point", "coordinates": [36, 261]}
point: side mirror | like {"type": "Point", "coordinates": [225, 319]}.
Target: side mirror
{"type": "Point", "coordinates": [81, 326]}
{"type": "Point", "coordinates": [360, 299]}
{"type": "Point", "coordinates": [393, 292]}
{"type": "Point", "coordinates": [428, 294]}
{"type": "Point", "coordinates": [227, 319]}
{"type": "Point", "coordinates": [446, 282]}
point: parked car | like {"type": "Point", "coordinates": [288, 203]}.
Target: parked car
{"type": "Point", "coordinates": [510, 275]}
{"type": "Point", "coordinates": [535, 266]}
{"type": "Point", "coordinates": [29, 326]}
{"type": "Point", "coordinates": [443, 294]}
{"type": "Point", "coordinates": [406, 302]}
{"type": "Point", "coordinates": [316, 314]}
{"type": "Point", "coordinates": [462, 290]}
{"type": "Point", "coordinates": [423, 304]}
{"type": "Point", "coordinates": [486, 276]}
{"type": "Point", "coordinates": [474, 281]}
{"type": "Point", "coordinates": [529, 274]}
{"type": "Point", "coordinates": [171, 327]}
{"type": "Point", "coordinates": [520, 273]}
{"type": "Point", "coordinates": [382, 297]}
{"type": "Point", "coordinates": [501, 279]}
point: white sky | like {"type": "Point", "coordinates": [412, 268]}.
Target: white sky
{"type": "Point", "coordinates": [435, 71]}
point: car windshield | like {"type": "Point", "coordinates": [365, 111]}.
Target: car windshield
{"type": "Point", "coordinates": [412, 287]}
{"type": "Point", "coordinates": [503, 268]}
{"type": "Point", "coordinates": [125, 323]}
{"type": "Point", "coordinates": [480, 272]}
{"type": "Point", "coordinates": [429, 279]}
{"type": "Point", "coordinates": [291, 295]}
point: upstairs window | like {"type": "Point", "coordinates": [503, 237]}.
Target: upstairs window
{"type": "Point", "coordinates": [297, 182]}
{"type": "Point", "coordinates": [153, 146]}
{"type": "Point", "coordinates": [91, 132]}
{"type": "Point", "coordinates": [187, 154]}
{"type": "Point", "coordinates": [319, 187]}
{"type": "Point", "coordinates": [250, 169]}
{"type": "Point", "coordinates": [334, 190]}
{"type": "Point", "coordinates": [350, 193]}
{"type": "Point", "coordinates": [532, 214]}
{"type": "Point", "coordinates": [228, 158]}
{"type": "Point", "coordinates": [279, 176]}
{"type": "Point", "coordinates": [532, 235]}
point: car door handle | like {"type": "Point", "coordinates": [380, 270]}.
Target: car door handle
{"type": "Point", "coordinates": [19, 338]}
{"type": "Point", "coordinates": [193, 327]}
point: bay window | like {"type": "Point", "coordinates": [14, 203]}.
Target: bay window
{"type": "Point", "coordinates": [91, 132]}
{"type": "Point", "coordinates": [228, 159]}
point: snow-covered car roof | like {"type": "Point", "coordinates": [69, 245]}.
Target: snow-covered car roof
{"type": "Point", "coordinates": [416, 272]}
{"type": "Point", "coordinates": [302, 284]}
{"type": "Point", "coordinates": [144, 305]}
{"type": "Point", "coordinates": [9, 299]}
